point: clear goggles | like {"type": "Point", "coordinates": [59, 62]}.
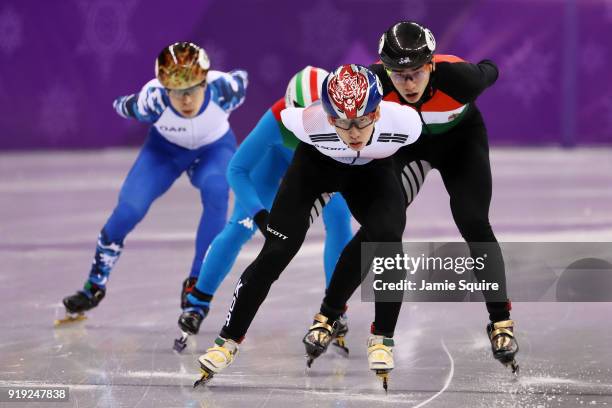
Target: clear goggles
{"type": "Point", "coordinates": [417, 75]}
{"type": "Point", "coordinates": [181, 93]}
{"type": "Point", "coordinates": [360, 122]}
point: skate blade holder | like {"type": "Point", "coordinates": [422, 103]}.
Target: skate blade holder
{"type": "Point", "coordinates": [181, 342]}
{"type": "Point", "coordinates": [206, 377]}
{"type": "Point", "coordinates": [309, 361]}
{"type": "Point", "coordinates": [514, 366]}
{"type": "Point", "coordinates": [384, 376]}
{"type": "Point", "coordinates": [509, 362]}
{"type": "Point", "coordinates": [70, 318]}
{"type": "Point", "coordinates": [312, 356]}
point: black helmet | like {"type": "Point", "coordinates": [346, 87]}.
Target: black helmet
{"type": "Point", "coordinates": [406, 45]}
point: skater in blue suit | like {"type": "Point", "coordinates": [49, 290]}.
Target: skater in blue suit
{"type": "Point", "coordinates": [254, 174]}
{"type": "Point", "coordinates": [188, 107]}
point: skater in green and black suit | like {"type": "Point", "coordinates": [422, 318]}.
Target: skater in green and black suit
{"type": "Point", "coordinates": [443, 90]}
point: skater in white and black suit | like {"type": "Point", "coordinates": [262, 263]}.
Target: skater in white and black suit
{"type": "Point", "coordinates": [347, 140]}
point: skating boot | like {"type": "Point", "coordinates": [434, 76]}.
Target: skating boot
{"type": "Point", "coordinates": [503, 343]}
{"type": "Point", "coordinates": [188, 285]}
{"type": "Point", "coordinates": [216, 359]}
{"type": "Point", "coordinates": [380, 357]}
{"type": "Point", "coordinates": [106, 255]}
{"type": "Point", "coordinates": [195, 308]}
{"type": "Point", "coordinates": [341, 332]}
{"type": "Point", "coordinates": [318, 338]}
{"type": "Point", "coordinates": [82, 301]}
{"type": "Point", "coordinates": [189, 322]}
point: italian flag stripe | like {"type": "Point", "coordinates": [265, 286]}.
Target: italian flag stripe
{"type": "Point", "coordinates": [314, 91]}
{"type": "Point", "coordinates": [298, 89]}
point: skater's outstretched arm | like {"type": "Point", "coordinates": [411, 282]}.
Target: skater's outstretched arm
{"type": "Point", "coordinates": [228, 89]}
{"type": "Point", "coordinates": [146, 106]}
{"type": "Point", "coordinates": [462, 80]}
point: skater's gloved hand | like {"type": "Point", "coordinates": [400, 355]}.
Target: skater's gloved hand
{"type": "Point", "coordinates": [241, 75]}
{"type": "Point", "coordinates": [261, 219]}
{"type": "Point", "coordinates": [122, 106]}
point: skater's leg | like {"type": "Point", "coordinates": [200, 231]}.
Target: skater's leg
{"type": "Point", "coordinates": [337, 219]}
{"type": "Point", "coordinates": [338, 233]}
{"type": "Point", "coordinates": [287, 226]}
{"type": "Point", "coordinates": [381, 211]}
{"type": "Point", "coordinates": [223, 252]}
{"type": "Point", "coordinates": [151, 175]}
{"type": "Point", "coordinates": [387, 227]}
{"type": "Point", "coordinates": [382, 216]}
{"type": "Point", "coordinates": [467, 178]}
{"type": "Point", "coordinates": [225, 248]}
{"type": "Point", "coordinates": [345, 279]}
{"type": "Point", "coordinates": [412, 176]}
{"type": "Point", "coordinates": [208, 175]}
{"type": "Point", "coordinates": [217, 264]}
{"type": "Point", "coordinates": [413, 173]}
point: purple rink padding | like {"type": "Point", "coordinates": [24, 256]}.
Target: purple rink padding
{"type": "Point", "coordinates": [64, 62]}
{"type": "Point", "coordinates": [54, 203]}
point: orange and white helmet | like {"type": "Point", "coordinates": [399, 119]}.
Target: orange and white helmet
{"type": "Point", "coordinates": [182, 65]}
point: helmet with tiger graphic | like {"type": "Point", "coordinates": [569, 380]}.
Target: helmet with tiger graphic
{"type": "Point", "coordinates": [305, 87]}
{"type": "Point", "coordinates": [182, 65]}
{"type": "Point", "coordinates": [351, 91]}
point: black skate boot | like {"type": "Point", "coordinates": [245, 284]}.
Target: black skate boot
{"type": "Point", "coordinates": [318, 338]}
{"type": "Point", "coordinates": [196, 307]}
{"type": "Point", "coordinates": [189, 322]}
{"type": "Point", "coordinates": [188, 285]}
{"type": "Point", "coordinates": [82, 301]}
{"type": "Point", "coordinates": [503, 343]}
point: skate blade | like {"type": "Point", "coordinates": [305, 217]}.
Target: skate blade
{"type": "Point", "coordinates": [206, 377]}
{"type": "Point", "coordinates": [514, 366]}
{"type": "Point", "coordinates": [69, 319]}
{"type": "Point", "coordinates": [181, 343]}
{"type": "Point", "coordinates": [340, 343]}
{"type": "Point", "coordinates": [309, 361]}
{"type": "Point", "coordinates": [384, 376]}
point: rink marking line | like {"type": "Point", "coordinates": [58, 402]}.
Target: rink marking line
{"type": "Point", "coordinates": [449, 378]}
{"type": "Point", "coordinates": [146, 391]}
{"type": "Point", "coordinates": [265, 402]}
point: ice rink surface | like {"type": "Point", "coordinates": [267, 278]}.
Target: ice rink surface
{"type": "Point", "coordinates": [54, 204]}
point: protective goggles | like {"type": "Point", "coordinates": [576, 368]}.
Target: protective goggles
{"type": "Point", "coordinates": [181, 93]}
{"type": "Point", "coordinates": [360, 122]}
{"type": "Point", "coordinates": [414, 76]}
